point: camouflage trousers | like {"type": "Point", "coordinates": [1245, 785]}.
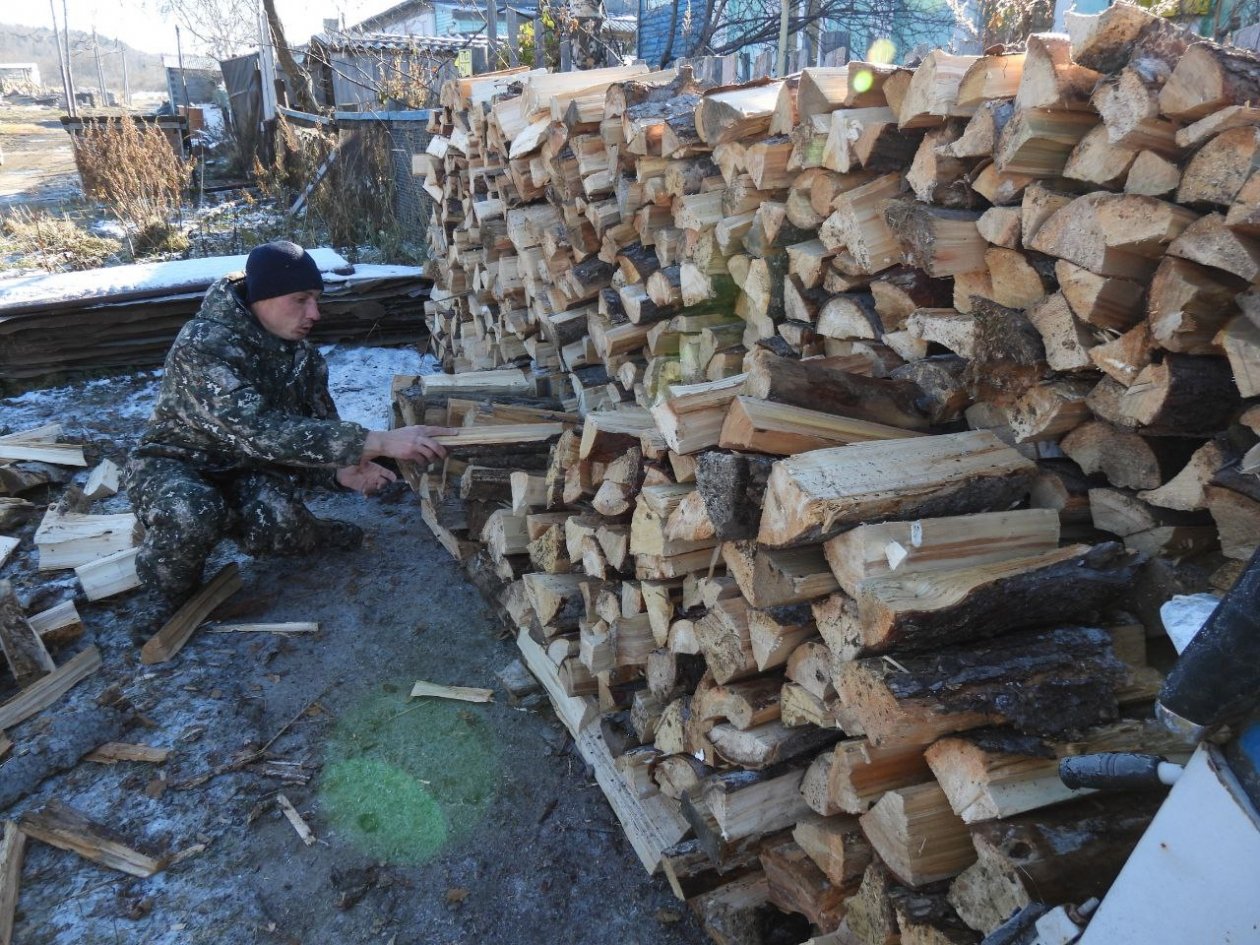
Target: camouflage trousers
{"type": "Point", "coordinates": [186, 512]}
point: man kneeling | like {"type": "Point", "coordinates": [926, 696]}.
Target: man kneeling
{"type": "Point", "coordinates": [244, 423]}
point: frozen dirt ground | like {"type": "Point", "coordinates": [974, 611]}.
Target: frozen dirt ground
{"type": "Point", "coordinates": [437, 822]}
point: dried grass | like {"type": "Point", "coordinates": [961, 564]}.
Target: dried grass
{"type": "Point", "coordinates": [57, 244]}
{"type": "Point", "coordinates": [133, 170]}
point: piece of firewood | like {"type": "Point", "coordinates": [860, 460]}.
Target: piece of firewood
{"type": "Point", "coordinates": [12, 847]}
{"type": "Point", "coordinates": [44, 692]}
{"type": "Point", "coordinates": [1210, 242]}
{"type": "Point", "coordinates": [769, 578]}
{"type": "Point", "coordinates": [918, 612]}
{"type": "Point", "coordinates": [798, 885]}
{"type": "Point", "coordinates": [103, 480]}
{"type": "Point", "coordinates": [1217, 172]}
{"type": "Point", "coordinates": [1125, 459]}
{"type": "Point", "coordinates": [169, 640]}
{"type": "Point", "coordinates": [861, 772]}
{"type": "Point", "coordinates": [1182, 394]}
{"type": "Point", "coordinates": [23, 648]}
{"type": "Point", "coordinates": [938, 544]}
{"type": "Point", "coordinates": [1011, 679]}
{"type": "Point", "coordinates": [1153, 175]}
{"type": "Point", "coordinates": [1051, 78]}
{"type": "Point", "coordinates": [460, 693]}
{"type": "Point", "coordinates": [817, 386]}
{"type": "Point", "coordinates": [1209, 77]}
{"type": "Point", "coordinates": [1097, 160]}
{"type": "Point", "coordinates": [1098, 300]}
{"type": "Point", "coordinates": [1065, 854]}
{"type": "Point", "coordinates": [836, 845]}
{"type": "Point", "coordinates": [1188, 304]}
{"type": "Point", "coordinates": [813, 496]}
{"type": "Point", "coordinates": [917, 835]}
{"type": "Point", "coordinates": [764, 426]}
{"type": "Point", "coordinates": [996, 774]}
{"type": "Point", "coordinates": [62, 826]}
{"type": "Point", "coordinates": [748, 804]}
{"type": "Point", "coordinates": [733, 487]}
{"type": "Point", "coordinates": [1112, 234]}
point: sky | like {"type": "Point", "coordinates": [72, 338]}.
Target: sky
{"type": "Point", "coordinates": [140, 24]}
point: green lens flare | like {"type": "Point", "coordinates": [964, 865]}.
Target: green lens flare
{"type": "Point", "coordinates": [862, 81]}
{"type": "Point", "coordinates": [403, 780]}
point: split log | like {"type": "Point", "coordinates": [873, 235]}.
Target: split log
{"type": "Point", "coordinates": [776, 632]}
{"type": "Point", "coordinates": [23, 648]}
{"type": "Point", "coordinates": [1125, 459]}
{"type": "Point", "coordinates": [1051, 78]}
{"type": "Point", "coordinates": [1051, 682]}
{"type": "Point", "coordinates": [916, 833]}
{"type": "Point", "coordinates": [819, 387]}
{"type": "Point", "coordinates": [768, 578]}
{"type": "Point", "coordinates": [1112, 234]}
{"type": "Point", "coordinates": [938, 544]}
{"type": "Point", "coordinates": [938, 241]}
{"type": "Point", "coordinates": [1067, 854]}
{"type": "Point", "coordinates": [767, 427]}
{"type": "Point", "coordinates": [1182, 395]}
{"type": "Point", "coordinates": [924, 611]}
{"type": "Point", "coordinates": [811, 497]}
{"type": "Point", "coordinates": [12, 847]}
{"type": "Point", "coordinates": [1209, 77]}
{"type": "Point", "coordinates": [836, 845]}
{"type": "Point", "coordinates": [996, 774]}
{"type": "Point", "coordinates": [1217, 172]}
{"type": "Point", "coordinates": [63, 827]}
{"type": "Point", "coordinates": [862, 772]}
{"type": "Point", "coordinates": [170, 639]}
{"type": "Point", "coordinates": [798, 885]}
{"type": "Point", "coordinates": [733, 487]}
{"type": "Point", "coordinates": [46, 691]}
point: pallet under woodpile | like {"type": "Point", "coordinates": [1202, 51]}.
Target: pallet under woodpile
{"type": "Point", "coordinates": [832, 442]}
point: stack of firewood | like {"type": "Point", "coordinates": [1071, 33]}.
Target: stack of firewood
{"type": "Point", "coordinates": [858, 423]}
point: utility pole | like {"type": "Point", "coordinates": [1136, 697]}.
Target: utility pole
{"type": "Point", "coordinates": [122, 51]}
{"type": "Point", "coordinates": [65, 25]}
{"type": "Point", "coordinates": [100, 72]}
{"type": "Point", "coordinates": [61, 58]}
{"type": "Point", "coordinates": [513, 27]}
{"type": "Point", "coordinates": [183, 81]}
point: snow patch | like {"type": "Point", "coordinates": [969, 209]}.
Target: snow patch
{"type": "Point", "coordinates": [359, 380]}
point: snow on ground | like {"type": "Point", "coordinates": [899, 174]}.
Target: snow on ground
{"type": "Point", "coordinates": [359, 380]}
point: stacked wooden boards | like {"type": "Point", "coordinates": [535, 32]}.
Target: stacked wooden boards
{"type": "Point", "coordinates": [905, 398]}
{"type": "Point", "coordinates": [129, 315]}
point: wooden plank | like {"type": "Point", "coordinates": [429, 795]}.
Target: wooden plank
{"type": "Point", "coordinates": [652, 824]}
{"type": "Point", "coordinates": [168, 641]}
{"type": "Point", "coordinates": [59, 454]}
{"type": "Point", "coordinates": [12, 846]}
{"type": "Point", "coordinates": [575, 712]}
{"type": "Point", "coordinates": [510, 434]}
{"type": "Point", "coordinates": [65, 828]}
{"type": "Point", "coordinates": [52, 687]}
{"type": "Point", "coordinates": [458, 693]}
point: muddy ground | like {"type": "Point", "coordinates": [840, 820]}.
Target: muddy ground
{"type": "Point", "coordinates": [437, 822]}
{"type": "Point", "coordinates": [38, 168]}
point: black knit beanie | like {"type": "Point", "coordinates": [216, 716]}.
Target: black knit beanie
{"type": "Point", "coordinates": [279, 268]}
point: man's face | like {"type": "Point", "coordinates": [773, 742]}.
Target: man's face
{"type": "Point", "coordinates": [291, 316]}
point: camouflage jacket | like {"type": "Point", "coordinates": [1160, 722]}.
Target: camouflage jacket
{"type": "Point", "coordinates": [236, 397]}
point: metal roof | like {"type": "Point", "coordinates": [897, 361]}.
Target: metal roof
{"type": "Point", "coordinates": [395, 42]}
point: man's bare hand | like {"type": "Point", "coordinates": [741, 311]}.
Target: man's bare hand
{"type": "Point", "coordinates": [366, 478]}
{"type": "Point", "coordinates": [412, 443]}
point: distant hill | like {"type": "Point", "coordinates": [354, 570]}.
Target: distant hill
{"type": "Point", "coordinates": [36, 44]}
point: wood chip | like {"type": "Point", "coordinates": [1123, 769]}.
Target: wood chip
{"type": "Point", "coordinates": [114, 752]}
{"type": "Point", "coordinates": [296, 626]}
{"type": "Point", "coordinates": [291, 814]}
{"type": "Point", "coordinates": [459, 693]}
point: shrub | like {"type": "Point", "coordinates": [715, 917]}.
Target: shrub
{"type": "Point", "coordinates": [133, 170]}
{"type": "Point", "coordinates": [53, 243]}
